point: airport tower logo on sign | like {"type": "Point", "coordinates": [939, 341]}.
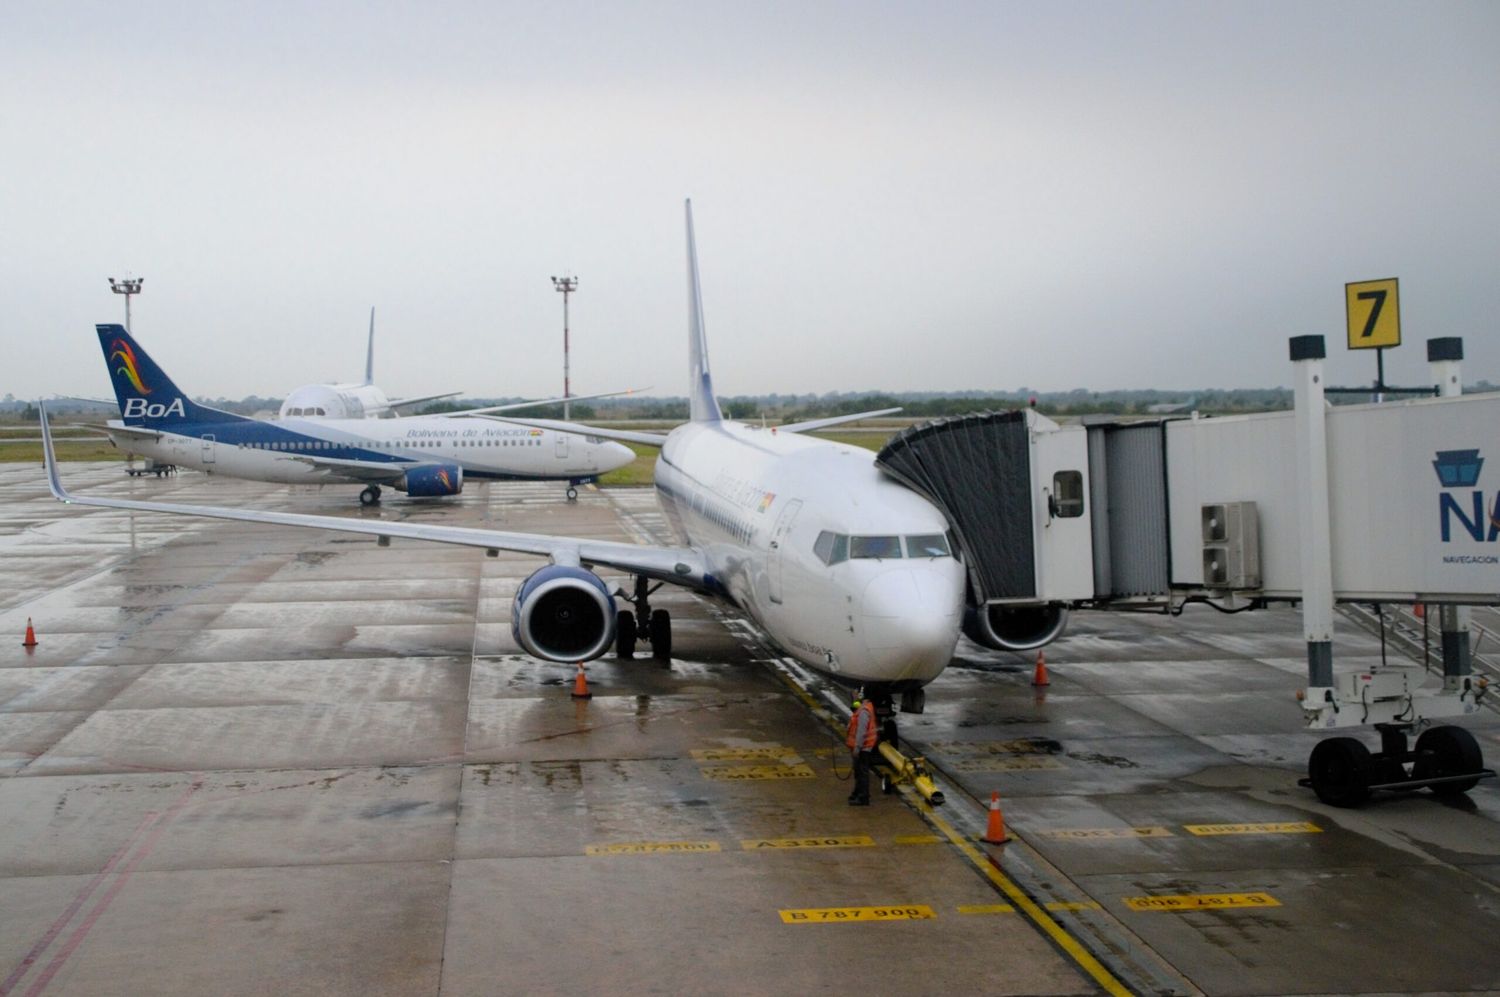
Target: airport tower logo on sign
{"type": "Point", "coordinates": [1463, 511]}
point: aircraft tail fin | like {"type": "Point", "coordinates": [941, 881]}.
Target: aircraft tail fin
{"type": "Point", "coordinates": [370, 351]}
{"type": "Point", "coordinates": [702, 405]}
{"type": "Point", "coordinates": [146, 394]}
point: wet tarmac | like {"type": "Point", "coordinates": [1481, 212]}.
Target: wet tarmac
{"type": "Point", "coordinates": [253, 760]}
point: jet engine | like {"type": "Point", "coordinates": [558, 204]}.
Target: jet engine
{"type": "Point", "coordinates": [431, 480]}
{"type": "Point", "coordinates": [1015, 628]}
{"type": "Point", "coordinates": [563, 613]}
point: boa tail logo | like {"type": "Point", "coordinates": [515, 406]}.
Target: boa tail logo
{"type": "Point", "coordinates": [443, 477]}
{"type": "Point", "coordinates": [121, 350]}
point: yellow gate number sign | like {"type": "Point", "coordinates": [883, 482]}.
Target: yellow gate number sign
{"type": "Point", "coordinates": [1374, 314]}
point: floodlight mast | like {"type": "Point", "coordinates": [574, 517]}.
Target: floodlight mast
{"type": "Point", "coordinates": [565, 286]}
{"type": "Point", "coordinates": [127, 286]}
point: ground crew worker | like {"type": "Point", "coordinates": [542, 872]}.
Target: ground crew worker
{"type": "Point", "coordinates": [861, 741]}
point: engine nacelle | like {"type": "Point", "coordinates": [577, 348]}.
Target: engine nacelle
{"type": "Point", "coordinates": [431, 480]}
{"type": "Point", "coordinates": [1004, 627]}
{"type": "Point", "coordinates": [563, 613]}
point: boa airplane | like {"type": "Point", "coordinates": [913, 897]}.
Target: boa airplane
{"type": "Point", "coordinates": [421, 455]}
{"type": "Point", "coordinates": [843, 568]}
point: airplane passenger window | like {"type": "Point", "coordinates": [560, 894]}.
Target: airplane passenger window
{"type": "Point", "coordinates": [927, 545]}
{"type": "Point", "coordinates": [874, 547]}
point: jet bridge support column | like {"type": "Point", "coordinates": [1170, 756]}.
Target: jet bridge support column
{"type": "Point", "coordinates": [1444, 359]}
{"type": "Point", "coordinates": [1313, 529]}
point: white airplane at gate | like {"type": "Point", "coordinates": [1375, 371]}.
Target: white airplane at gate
{"type": "Point", "coordinates": [424, 456]}
{"type": "Point", "coordinates": [844, 569]}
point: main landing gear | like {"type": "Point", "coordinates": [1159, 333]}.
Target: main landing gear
{"type": "Point", "coordinates": [370, 496]}
{"type": "Point", "coordinates": [1447, 760]}
{"type": "Point", "coordinates": [654, 625]}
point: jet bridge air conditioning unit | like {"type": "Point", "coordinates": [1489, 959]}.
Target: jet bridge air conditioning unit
{"type": "Point", "coordinates": [1231, 546]}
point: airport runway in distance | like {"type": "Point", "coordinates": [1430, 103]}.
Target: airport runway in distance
{"type": "Point", "coordinates": [251, 760]}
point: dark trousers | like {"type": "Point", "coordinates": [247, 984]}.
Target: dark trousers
{"type": "Point", "coordinates": [863, 762]}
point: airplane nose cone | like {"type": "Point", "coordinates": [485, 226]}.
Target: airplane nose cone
{"type": "Point", "coordinates": [911, 618]}
{"type": "Point", "coordinates": [613, 456]}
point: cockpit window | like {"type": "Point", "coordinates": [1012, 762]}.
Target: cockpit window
{"type": "Point", "coordinates": [927, 545]}
{"type": "Point", "coordinates": [874, 547]}
{"type": "Point", "coordinates": [831, 548]}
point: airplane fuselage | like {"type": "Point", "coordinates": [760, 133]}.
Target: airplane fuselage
{"type": "Point", "coordinates": [289, 450]}
{"type": "Point", "coordinates": [768, 511]}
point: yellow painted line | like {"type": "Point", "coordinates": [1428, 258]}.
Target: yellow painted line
{"type": "Point", "coordinates": [1292, 827]}
{"type": "Point", "coordinates": [1095, 833]}
{"type": "Point", "coordinates": [1020, 763]}
{"type": "Point", "coordinates": [846, 915]}
{"type": "Point", "coordinates": [651, 847]}
{"type": "Point", "coordinates": [917, 839]}
{"type": "Point", "coordinates": [1201, 901]}
{"type": "Point", "coordinates": [1080, 955]}
{"type": "Point", "coordinates": [1059, 935]}
{"type": "Point", "coordinates": [843, 841]}
{"type": "Point", "coordinates": [742, 754]}
{"type": "Point", "coordinates": [738, 772]}
{"type": "Point", "coordinates": [1059, 906]}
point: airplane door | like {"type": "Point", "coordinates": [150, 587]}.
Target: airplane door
{"type": "Point", "coordinates": [208, 449]}
{"type": "Point", "coordinates": [562, 446]}
{"type": "Point", "coordinates": [773, 556]}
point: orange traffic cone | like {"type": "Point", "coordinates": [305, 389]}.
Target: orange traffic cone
{"type": "Point", "coordinates": [30, 640]}
{"type": "Point", "coordinates": [581, 685]}
{"type": "Point", "coordinates": [1040, 676]}
{"type": "Point", "coordinates": [995, 834]}
{"type": "Point", "coordinates": [1419, 610]}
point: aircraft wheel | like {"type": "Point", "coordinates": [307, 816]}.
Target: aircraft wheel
{"type": "Point", "coordinates": [572, 494]}
{"type": "Point", "coordinates": [370, 496]}
{"type": "Point", "coordinates": [661, 635]}
{"type": "Point", "coordinates": [625, 634]}
{"type": "Point", "coordinates": [1339, 770]}
{"type": "Point", "coordinates": [1448, 750]}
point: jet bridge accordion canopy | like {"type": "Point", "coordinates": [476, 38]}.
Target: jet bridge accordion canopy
{"type": "Point", "coordinates": [977, 470]}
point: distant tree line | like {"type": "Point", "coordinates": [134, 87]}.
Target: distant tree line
{"type": "Point", "coordinates": [794, 407]}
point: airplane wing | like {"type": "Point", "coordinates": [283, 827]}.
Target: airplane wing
{"type": "Point", "coordinates": [836, 420]}
{"type": "Point", "coordinates": [678, 565]}
{"type": "Point", "coordinates": [420, 398]}
{"type": "Point", "coordinates": [514, 406]}
{"type": "Point", "coordinates": [627, 435]}
{"type": "Point", "coordinates": [364, 470]}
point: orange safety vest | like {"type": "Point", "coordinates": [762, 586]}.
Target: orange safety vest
{"type": "Point", "coordinates": [870, 731]}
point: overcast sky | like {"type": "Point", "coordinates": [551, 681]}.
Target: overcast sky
{"type": "Point", "coordinates": [931, 196]}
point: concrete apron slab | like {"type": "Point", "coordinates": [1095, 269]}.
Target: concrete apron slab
{"type": "Point", "coordinates": [384, 796]}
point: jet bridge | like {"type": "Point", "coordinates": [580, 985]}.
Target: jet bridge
{"type": "Point", "coordinates": [1375, 503]}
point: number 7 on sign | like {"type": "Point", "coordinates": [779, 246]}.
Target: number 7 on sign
{"type": "Point", "coordinates": [1374, 314]}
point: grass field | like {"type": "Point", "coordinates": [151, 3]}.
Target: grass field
{"type": "Point", "coordinates": [638, 472]}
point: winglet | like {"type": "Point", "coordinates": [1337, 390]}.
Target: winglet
{"type": "Point", "coordinates": [370, 351]}
{"type": "Point", "coordinates": [50, 458]}
{"type": "Point", "coordinates": [702, 406]}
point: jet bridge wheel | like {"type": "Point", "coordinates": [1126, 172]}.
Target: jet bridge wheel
{"type": "Point", "coordinates": [1339, 770]}
{"type": "Point", "coordinates": [1448, 750]}
{"type": "Point", "coordinates": [661, 635]}
{"type": "Point", "coordinates": [625, 634]}
{"type": "Point", "coordinates": [370, 496]}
